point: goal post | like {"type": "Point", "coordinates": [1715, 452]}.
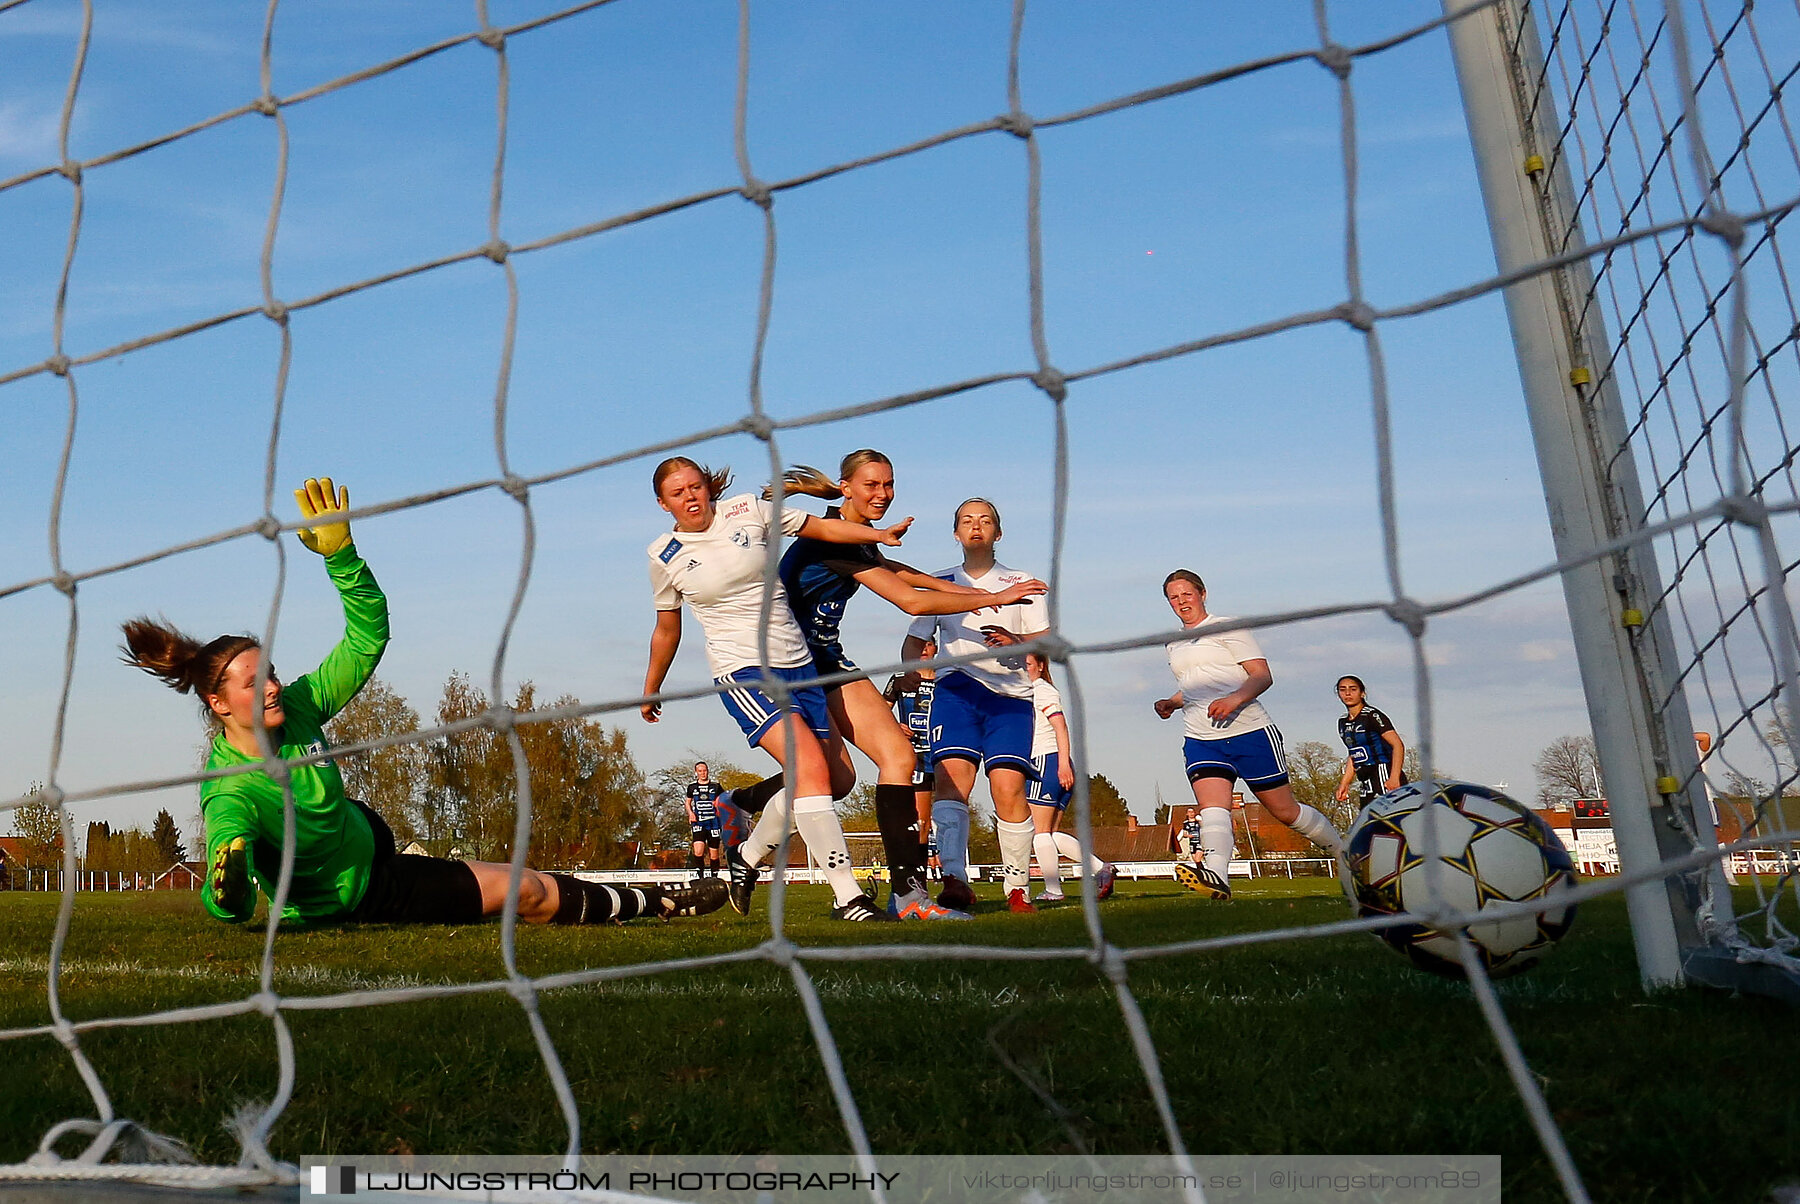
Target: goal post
{"type": "Point", "coordinates": [1633, 672]}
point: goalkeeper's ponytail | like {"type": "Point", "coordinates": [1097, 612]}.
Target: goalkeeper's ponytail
{"type": "Point", "coordinates": [180, 660]}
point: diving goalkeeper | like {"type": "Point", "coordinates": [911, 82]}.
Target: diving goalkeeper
{"type": "Point", "coordinates": [345, 863]}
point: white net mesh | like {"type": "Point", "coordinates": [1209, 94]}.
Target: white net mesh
{"type": "Point", "coordinates": [1675, 121]}
{"type": "Point", "coordinates": [1706, 366]}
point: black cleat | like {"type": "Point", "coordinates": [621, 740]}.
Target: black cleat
{"type": "Point", "coordinates": [859, 909]}
{"type": "Point", "coordinates": [702, 898]}
{"type": "Point", "coordinates": [1213, 886]}
{"type": "Point", "coordinates": [743, 880]}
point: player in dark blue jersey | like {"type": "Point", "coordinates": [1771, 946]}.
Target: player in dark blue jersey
{"type": "Point", "coordinates": [819, 579]}
{"type": "Point", "coordinates": [1376, 752]}
{"type": "Point", "coordinates": [703, 820]}
{"type": "Point", "coordinates": [1190, 835]}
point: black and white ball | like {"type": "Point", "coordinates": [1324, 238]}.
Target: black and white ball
{"type": "Point", "coordinates": [1490, 850]}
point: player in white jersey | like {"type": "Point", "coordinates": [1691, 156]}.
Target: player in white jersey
{"type": "Point", "coordinates": [1229, 734]}
{"type": "Point", "coordinates": [714, 562]}
{"type": "Point", "coordinates": [981, 711]}
{"type": "Point", "coordinates": [1052, 759]}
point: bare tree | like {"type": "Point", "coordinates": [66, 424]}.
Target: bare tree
{"type": "Point", "coordinates": [471, 784]}
{"type": "Point", "coordinates": [588, 796]}
{"type": "Point", "coordinates": [1569, 768]}
{"type": "Point", "coordinates": [1314, 770]}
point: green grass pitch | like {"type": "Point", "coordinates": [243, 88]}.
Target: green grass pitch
{"type": "Point", "coordinates": [1315, 1046]}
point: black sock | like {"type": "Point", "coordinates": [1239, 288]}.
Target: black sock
{"type": "Point", "coordinates": [581, 902]}
{"type": "Point", "coordinates": [897, 816]}
{"type": "Point", "coordinates": [694, 863]}
{"type": "Point", "coordinates": [752, 799]}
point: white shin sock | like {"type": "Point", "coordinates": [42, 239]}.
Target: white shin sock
{"type": "Point", "coordinates": [1015, 851]}
{"type": "Point", "coordinates": [1069, 847]}
{"type": "Point", "coordinates": [1044, 845]}
{"type": "Point", "coordinates": [771, 828]}
{"type": "Point", "coordinates": [1312, 824]}
{"type": "Point", "coordinates": [1217, 840]}
{"type": "Point", "coordinates": [824, 836]}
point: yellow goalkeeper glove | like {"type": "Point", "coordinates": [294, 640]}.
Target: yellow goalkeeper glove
{"type": "Point", "coordinates": [230, 881]}
{"type": "Point", "coordinates": [318, 501]}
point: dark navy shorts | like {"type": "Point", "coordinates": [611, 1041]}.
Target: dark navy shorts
{"type": "Point", "coordinates": [1256, 757]}
{"type": "Point", "coordinates": [830, 658]}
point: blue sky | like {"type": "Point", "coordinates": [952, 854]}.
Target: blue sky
{"type": "Point", "coordinates": [1252, 464]}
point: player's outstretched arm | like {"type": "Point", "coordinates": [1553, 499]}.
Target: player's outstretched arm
{"type": "Point", "coordinates": [837, 530]}
{"type": "Point", "coordinates": [927, 601]}
{"type": "Point", "coordinates": [331, 686]}
{"type": "Point", "coordinates": [1349, 776]}
{"type": "Point", "coordinates": [1168, 706]}
{"type": "Point", "coordinates": [665, 640]}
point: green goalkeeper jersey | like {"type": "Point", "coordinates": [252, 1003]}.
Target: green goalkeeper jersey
{"type": "Point", "coordinates": [334, 847]}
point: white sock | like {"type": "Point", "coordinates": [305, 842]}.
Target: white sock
{"type": "Point", "coordinates": [1216, 840]}
{"type": "Point", "coordinates": [771, 828]}
{"type": "Point", "coordinates": [1069, 847]}
{"type": "Point", "coordinates": [1044, 845]}
{"type": "Point", "coordinates": [1015, 851]}
{"type": "Point", "coordinates": [1312, 824]}
{"type": "Point", "coordinates": [952, 820]}
{"type": "Point", "coordinates": [824, 837]}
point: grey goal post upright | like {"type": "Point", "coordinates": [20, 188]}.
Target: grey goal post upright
{"type": "Point", "coordinates": [1682, 922]}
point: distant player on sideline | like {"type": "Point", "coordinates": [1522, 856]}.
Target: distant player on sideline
{"type": "Point", "coordinates": [910, 695]}
{"type": "Point", "coordinates": [703, 820]}
{"type": "Point", "coordinates": [345, 865]}
{"type": "Point", "coordinates": [1229, 734]}
{"type": "Point", "coordinates": [713, 562]}
{"type": "Point", "coordinates": [1050, 790]}
{"type": "Point", "coordinates": [1189, 834]}
{"type": "Point", "coordinates": [1376, 752]}
{"type": "Point", "coordinates": [981, 713]}
{"type": "Point", "coordinates": [820, 579]}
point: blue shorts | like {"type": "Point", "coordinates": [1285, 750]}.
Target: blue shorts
{"type": "Point", "coordinates": [971, 722]}
{"type": "Point", "coordinates": [1045, 790]}
{"type": "Point", "coordinates": [705, 832]}
{"type": "Point", "coordinates": [1256, 757]}
{"type": "Point", "coordinates": [756, 712]}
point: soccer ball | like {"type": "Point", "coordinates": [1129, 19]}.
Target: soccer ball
{"type": "Point", "coordinates": [1491, 850]}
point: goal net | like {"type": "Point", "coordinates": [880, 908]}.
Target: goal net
{"type": "Point", "coordinates": [1647, 147]}
{"type": "Point", "coordinates": [1666, 165]}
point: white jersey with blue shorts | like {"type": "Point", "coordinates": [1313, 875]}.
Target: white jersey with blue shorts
{"type": "Point", "coordinates": [718, 573]}
{"type": "Point", "coordinates": [981, 711]}
{"type": "Point", "coordinates": [1246, 744]}
{"type": "Point", "coordinates": [1045, 790]}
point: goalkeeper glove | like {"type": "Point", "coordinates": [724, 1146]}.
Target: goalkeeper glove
{"type": "Point", "coordinates": [318, 501]}
{"type": "Point", "coordinates": [230, 881]}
